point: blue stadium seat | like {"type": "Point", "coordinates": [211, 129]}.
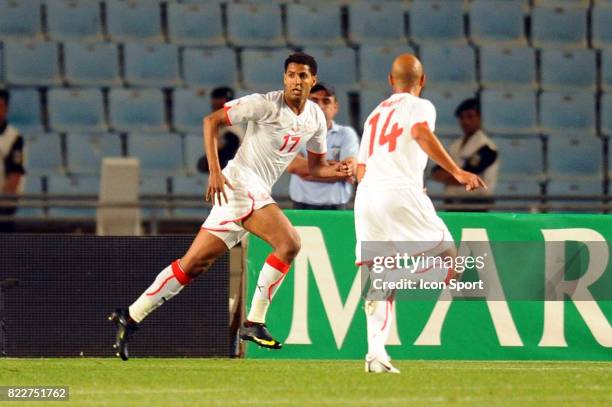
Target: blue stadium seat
{"type": "Point", "coordinates": [337, 66]}
{"type": "Point", "coordinates": [377, 22]}
{"type": "Point", "coordinates": [159, 154]}
{"type": "Point", "coordinates": [25, 111]}
{"type": "Point", "coordinates": [280, 190]}
{"type": "Point", "coordinates": [498, 66]}
{"type": "Point", "coordinates": [499, 22]}
{"type": "Point", "coordinates": [194, 150]}
{"type": "Point", "coordinates": [550, 26]}
{"type": "Point", "coordinates": [314, 25]}
{"type": "Point", "coordinates": [195, 24]}
{"type": "Point", "coordinates": [368, 100]}
{"type": "Point", "coordinates": [606, 69]}
{"type": "Point", "coordinates": [435, 20]}
{"type": "Point", "coordinates": [209, 67]}
{"type": "Point", "coordinates": [376, 63]}
{"type": "Point", "coordinates": [133, 20]}
{"type": "Point", "coordinates": [509, 112]}
{"type": "Point", "coordinates": [137, 110]}
{"type": "Point", "coordinates": [31, 63]}
{"type": "Point", "coordinates": [520, 157]}
{"type": "Point", "coordinates": [563, 112]}
{"type": "Point", "coordinates": [254, 25]}
{"type": "Point", "coordinates": [91, 64]}
{"type": "Point", "coordinates": [151, 64]}
{"type": "Point", "coordinates": [189, 108]}
{"type": "Point", "coordinates": [344, 109]}
{"type": "Point", "coordinates": [606, 116]}
{"type": "Point", "coordinates": [449, 65]}
{"type": "Point", "coordinates": [32, 185]}
{"type": "Point", "coordinates": [191, 186]}
{"type": "Point", "coordinates": [446, 101]}
{"type": "Point", "coordinates": [568, 68]}
{"type": "Point", "coordinates": [574, 187]}
{"type": "Point", "coordinates": [84, 151]}
{"type": "Point", "coordinates": [516, 187]}
{"type": "Point", "coordinates": [601, 16]}
{"type": "Point", "coordinates": [572, 156]}
{"type": "Point", "coordinates": [262, 70]}
{"type": "Point", "coordinates": [76, 110]}
{"type": "Point", "coordinates": [20, 19]}
{"type": "Point", "coordinates": [43, 153]}
{"type": "Point", "coordinates": [74, 20]}
{"type": "Point", "coordinates": [76, 185]}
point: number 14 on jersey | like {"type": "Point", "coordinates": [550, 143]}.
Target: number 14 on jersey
{"type": "Point", "coordinates": [385, 137]}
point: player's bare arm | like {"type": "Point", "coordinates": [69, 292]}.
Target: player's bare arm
{"type": "Point", "coordinates": [216, 180]}
{"type": "Point", "coordinates": [299, 167]}
{"type": "Point", "coordinates": [435, 150]}
{"type": "Point", "coordinates": [440, 175]}
{"type": "Point", "coordinates": [319, 167]}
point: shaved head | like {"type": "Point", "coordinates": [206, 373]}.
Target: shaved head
{"type": "Point", "coordinates": [406, 72]}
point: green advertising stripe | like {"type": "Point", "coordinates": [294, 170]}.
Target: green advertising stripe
{"type": "Point", "coordinates": [318, 311]}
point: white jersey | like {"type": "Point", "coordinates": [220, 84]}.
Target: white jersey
{"type": "Point", "coordinates": [273, 137]}
{"type": "Point", "coordinates": [393, 159]}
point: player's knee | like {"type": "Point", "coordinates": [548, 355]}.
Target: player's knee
{"type": "Point", "coordinates": [195, 267]}
{"type": "Point", "coordinates": [291, 246]}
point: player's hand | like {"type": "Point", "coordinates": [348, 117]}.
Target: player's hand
{"type": "Point", "coordinates": [216, 188]}
{"type": "Point", "coordinates": [345, 168]}
{"type": "Point", "coordinates": [470, 180]}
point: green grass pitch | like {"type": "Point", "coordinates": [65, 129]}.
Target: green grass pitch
{"type": "Point", "coordinates": [224, 382]}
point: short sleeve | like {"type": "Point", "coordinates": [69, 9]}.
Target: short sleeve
{"type": "Point", "coordinates": [424, 112]}
{"type": "Point", "coordinates": [13, 163]}
{"type": "Point", "coordinates": [363, 154]}
{"type": "Point", "coordinates": [255, 108]}
{"type": "Point", "coordinates": [350, 144]}
{"type": "Point", "coordinates": [318, 143]}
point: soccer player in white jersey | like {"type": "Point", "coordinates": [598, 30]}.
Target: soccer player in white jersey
{"type": "Point", "coordinates": [278, 124]}
{"type": "Point", "coordinates": [390, 204]}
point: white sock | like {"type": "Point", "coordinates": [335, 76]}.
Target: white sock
{"type": "Point", "coordinates": [167, 284]}
{"type": "Point", "coordinates": [379, 320]}
{"type": "Point", "coordinates": [270, 278]}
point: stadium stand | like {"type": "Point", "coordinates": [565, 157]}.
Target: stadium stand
{"type": "Point", "coordinates": [133, 20]}
{"type": "Point", "coordinates": [25, 110]}
{"type": "Point", "coordinates": [254, 25]}
{"type": "Point", "coordinates": [446, 101]}
{"type": "Point", "coordinates": [606, 70]}
{"type": "Point", "coordinates": [20, 20]}
{"type": "Point", "coordinates": [32, 63]}
{"type": "Point", "coordinates": [575, 156]}
{"type": "Point", "coordinates": [375, 59]}
{"type": "Point", "coordinates": [189, 108]}
{"type": "Point", "coordinates": [601, 16]}
{"type": "Point", "coordinates": [498, 67]}
{"type": "Point", "coordinates": [314, 25]}
{"type": "Point", "coordinates": [151, 65]}
{"type": "Point", "coordinates": [43, 154]}
{"type": "Point", "coordinates": [182, 185]}
{"type": "Point", "coordinates": [84, 151]}
{"type": "Point", "coordinates": [74, 20]}
{"type": "Point", "coordinates": [509, 112]}
{"type": "Point", "coordinates": [521, 157]}
{"type": "Point", "coordinates": [159, 154]}
{"type": "Point", "coordinates": [437, 21]}
{"type": "Point", "coordinates": [195, 24]}
{"type": "Point", "coordinates": [377, 22]}
{"type": "Point", "coordinates": [337, 66]}
{"type": "Point", "coordinates": [209, 67]}
{"type": "Point", "coordinates": [76, 110]}
{"type": "Point", "coordinates": [497, 22]}
{"type": "Point", "coordinates": [565, 112]}
{"type": "Point", "coordinates": [91, 64]}
{"type": "Point", "coordinates": [137, 110]}
{"type": "Point", "coordinates": [438, 58]}
{"type": "Point", "coordinates": [65, 185]}
{"type": "Point", "coordinates": [194, 150]}
{"type": "Point", "coordinates": [263, 69]}
{"type": "Point", "coordinates": [550, 24]}
{"type": "Point", "coordinates": [563, 69]}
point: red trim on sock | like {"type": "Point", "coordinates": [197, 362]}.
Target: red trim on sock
{"type": "Point", "coordinates": [448, 276]}
{"type": "Point", "coordinates": [388, 306]}
{"type": "Point", "coordinates": [178, 272]}
{"type": "Point", "coordinates": [273, 285]}
{"type": "Point", "coordinates": [277, 263]}
{"type": "Point", "coordinates": [160, 287]}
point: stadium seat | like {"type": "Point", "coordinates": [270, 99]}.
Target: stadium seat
{"type": "Point", "coordinates": [133, 20]}
{"type": "Point", "coordinates": [376, 61]}
{"type": "Point", "coordinates": [151, 65]}
{"type": "Point", "coordinates": [574, 187]}
{"type": "Point", "coordinates": [435, 20]}
{"type": "Point", "coordinates": [25, 110]}
{"type": "Point", "coordinates": [159, 154]}
{"type": "Point", "coordinates": [194, 150]}
{"type": "Point", "coordinates": [517, 187]}
{"type": "Point", "coordinates": [190, 186]}
{"type": "Point", "coordinates": [498, 66]}
{"type": "Point", "coordinates": [377, 23]}
{"type": "Point", "coordinates": [449, 65]}
{"type": "Point", "coordinates": [32, 185]}
{"type": "Point", "coordinates": [74, 20]}
{"type": "Point", "coordinates": [75, 185]}
{"type": "Point", "coordinates": [572, 156]}
{"type": "Point", "coordinates": [280, 190]}
{"type": "Point", "coordinates": [189, 108]}
{"type": "Point", "coordinates": [152, 186]}
{"type": "Point", "coordinates": [568, 68]}
{"type": "Point", "coordinates": [137, 110]}
{"type": "Point", "coordinates": [337, 66]}
{"type": "Point", "coordinates": [84, 151]}
{"type": "Point", "coordinates": [550, 26]}
{"type": "Point", "coordinates": [368, 100]}
{"type": "Point", "coordinates": [601, 15]}
{"type": "Point", "coordinates": [344, 108]}
{"type": "Point", "coordinates": [195, 24]}
{"type": "Point", "coordinates": [262, 70]}
{"type": "Point", "coordinates": [76, 110]}
{"type": "Point", "coordinates": [314, 25]}
{"type": "Point", "coordinates": [43, 153]}
{"type": "Point", "coordinates": [20, 19]}
{"type": "Point", "coordinates": [509, 112]}
{"type": "Point", "coordinates": [31, 63]}
{"type": "Point", "coordinates": [446, 101]}
{"type": "Point", "coordinates": [520, 157]}
{"type": "Point", "coordinates": [91, 64]}
{"type": "Point", "coordinates": [254, 25]}
{"type": "Point", "coordinates": [606, 70]}
{"type": "Point", "coordinates": [498, 22]}
{"type": "Point", "coordinates": [209, 67]}
{"type": "Point", "coordinates": [564, 112]}
{"type": "Point", "coordinates": [606, 117]}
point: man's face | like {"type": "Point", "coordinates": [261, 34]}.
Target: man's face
{"type": "Point", "coordinates": [326, 102]}
{"type": "Point", "coordinates": [298, 81]}
{"type": "Point", "coordinates": [217, 103]}
{"type": "Point", "coordinates": [469, 120]}
{"type": "Point", "coordinates": [3, 110]}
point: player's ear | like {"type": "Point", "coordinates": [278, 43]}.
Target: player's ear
{"type": "Point", "coordinates": [390, 80]}
{"type": "Point", "coordinates": [423, 80]}
{"type": "Point", "coordinates": [314, 80]}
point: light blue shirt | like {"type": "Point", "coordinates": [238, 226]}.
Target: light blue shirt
{"type": "Point", "coordinates": [342, 143]}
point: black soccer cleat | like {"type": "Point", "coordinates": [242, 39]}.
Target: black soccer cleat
{"type": "Point", "coordinates": [125, 329]}
{"type": "Point", "coordinates": [259, 334]}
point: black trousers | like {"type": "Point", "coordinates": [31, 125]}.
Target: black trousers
{"type": "Point", "coordinates": [300, 205]}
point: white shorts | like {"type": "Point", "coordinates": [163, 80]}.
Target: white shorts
{"type": "Point", "coordinates": [399, 215]}
{"type": "Point", "coordinates": [225, 220]}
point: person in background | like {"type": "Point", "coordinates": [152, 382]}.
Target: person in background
{"type": "Point", "coordinates": [230, 136]}
{"type": "Point", "coordinates": [474, 152]}
{"type": "Point", "coordinates": [11, 153]}
{"type": "Point", "coordinates": [308, 192]}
